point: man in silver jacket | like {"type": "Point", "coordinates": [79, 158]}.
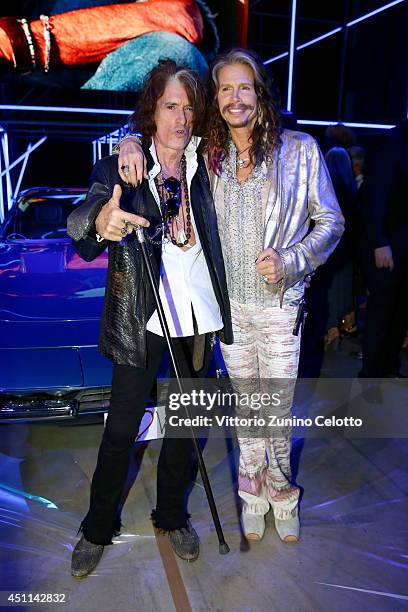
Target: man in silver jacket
{"type": "Point", "coordinates": [269, 185]}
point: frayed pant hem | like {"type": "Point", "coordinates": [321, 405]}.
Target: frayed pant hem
{"type": "Point", "coordinates": [102, 541]}
{"type": "Point", "coordinates": [166, 527]}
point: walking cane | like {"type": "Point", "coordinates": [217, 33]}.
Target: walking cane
{"type": "Point", "coordinates": [223, 546]}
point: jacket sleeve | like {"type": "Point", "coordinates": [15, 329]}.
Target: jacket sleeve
{"type": "Point", "coordinates": [304, 257]}
{"type": "Point", "coordinates": [81, 222]}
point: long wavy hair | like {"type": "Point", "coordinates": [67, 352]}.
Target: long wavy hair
{"type": "Point", "coordinates": [267, 129]}
{"type": "Point", "coordinates": [142, 120]}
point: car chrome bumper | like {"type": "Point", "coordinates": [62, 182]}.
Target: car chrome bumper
{"type": "Point", "coordinates": [29, 408]}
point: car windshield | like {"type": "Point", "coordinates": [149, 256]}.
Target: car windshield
{"type": "Point", "coordinates": [42, 216]}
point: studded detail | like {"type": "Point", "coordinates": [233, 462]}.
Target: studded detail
{"type": "Point", "coordinates": [85, 557]}
{"type": "Point", "coordinates": [185, 542]}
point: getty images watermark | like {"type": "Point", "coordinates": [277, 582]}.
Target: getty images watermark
{"type": "Point", "coordinates": [323, 407]}
{"type": "Point", "coordinates": [279, 407]}
{"type": "Point", "coordinates": [254, 401]}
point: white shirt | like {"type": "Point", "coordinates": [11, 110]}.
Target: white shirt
{"type": "Point", "coordinates": [185, 281]}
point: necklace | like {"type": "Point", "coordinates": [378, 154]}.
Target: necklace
{"type": "Point", "coordinates": [241, 161]}
{"type": "Point", "coordinates": [182, 221]}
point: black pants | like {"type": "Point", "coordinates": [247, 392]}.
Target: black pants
{"type": "Point", "coordinates": [131, 388]}
{"type": "Point", "coordinates": [387, 314]}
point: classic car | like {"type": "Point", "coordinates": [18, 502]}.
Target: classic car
{"type": "Point", "coordinates": [50, 308]}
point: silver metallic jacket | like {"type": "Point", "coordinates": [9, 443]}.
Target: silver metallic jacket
{"type": "Point", "coordinates": [299, 191]}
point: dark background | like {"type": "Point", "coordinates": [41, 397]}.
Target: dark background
{"type": "Point", "coordinates": [369, 61]}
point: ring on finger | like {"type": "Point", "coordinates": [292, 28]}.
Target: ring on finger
{"type": "Point", "coordinates": [265, 278]}
{"type": "Point", "coordinates": [134, 225]}
{"type": "Point", "coordinates": [123, 230]}
{"type": "Point", "coordinates": [125, 169]}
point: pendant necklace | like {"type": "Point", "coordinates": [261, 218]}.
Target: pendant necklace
{"type": "Point", "coordinates": [241, 162]}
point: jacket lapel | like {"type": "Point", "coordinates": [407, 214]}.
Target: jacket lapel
{"type": "Point", "coordinates": [199, 204]}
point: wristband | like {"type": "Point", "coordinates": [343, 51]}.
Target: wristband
{"type": "Point", "coordinates": [135, 136]}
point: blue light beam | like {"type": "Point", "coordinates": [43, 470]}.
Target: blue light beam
{"type": "Point", "coordinates": [291, 55]}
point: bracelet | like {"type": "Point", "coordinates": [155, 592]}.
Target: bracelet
{"type": "Point", "coordinates": [99, 238]}
{"type": "Point", "coordinates": [47, 39]}
{"type": "Point", "coordinates": [29, 39]}
{"type": "Point", "coordinates": [135, 136]}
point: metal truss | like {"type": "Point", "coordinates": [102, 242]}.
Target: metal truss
{"type": "Point", "coordinates": [104, 145]}
{"type": "Point", "coordinates": [293, 48]}
{"type": "Point", "coordinates": [10, 181]}
{"type": "Point", "coordinates": [8, 190]}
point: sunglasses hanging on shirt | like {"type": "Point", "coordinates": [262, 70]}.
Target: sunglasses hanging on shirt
{"type": "Point", "coordinates": [170, 207]}
{"type": "Point", "coordinates": [177, 220]}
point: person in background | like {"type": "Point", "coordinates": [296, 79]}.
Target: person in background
{"type": "Point", "coordinates": [358, 157]}
{"type": "Point", "coordinates": [339, 135]}
{"type": "Point", "coordinates": [338, 273]}
{"type": "Point", "coordinates": [385, 254]}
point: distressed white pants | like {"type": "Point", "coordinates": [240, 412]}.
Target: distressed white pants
{"type": "Point", "coordinates": [265, 348]}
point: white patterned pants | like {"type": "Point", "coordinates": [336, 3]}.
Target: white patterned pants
{"type": "Point", "coordinates": [265, 348]}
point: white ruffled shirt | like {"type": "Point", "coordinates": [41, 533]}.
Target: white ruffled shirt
{"type": "Point", "coordinates": [185, 282]}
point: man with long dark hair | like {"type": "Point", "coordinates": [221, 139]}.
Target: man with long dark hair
{"type": "Point", "coordinates": [175, 207]}
{"type": "Point", "coordinates": [268, 185]}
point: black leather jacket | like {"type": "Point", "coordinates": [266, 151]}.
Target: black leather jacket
{"type": "Point", "coordinates": [129, 300]}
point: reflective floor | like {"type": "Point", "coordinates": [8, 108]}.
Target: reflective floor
{"type": "Point", "coordinates": [353, 552]}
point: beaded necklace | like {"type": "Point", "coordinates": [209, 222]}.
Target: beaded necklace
{"type": "Point", "coordinates": [183, 219]}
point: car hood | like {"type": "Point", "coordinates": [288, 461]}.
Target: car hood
{"type": "Point", "coordinates": [53, 368]}
{"type": "Point", "coordinates": [48, 295]}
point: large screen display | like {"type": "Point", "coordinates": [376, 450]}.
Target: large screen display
{"type": "Point", "coordinates": [111, 45]}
